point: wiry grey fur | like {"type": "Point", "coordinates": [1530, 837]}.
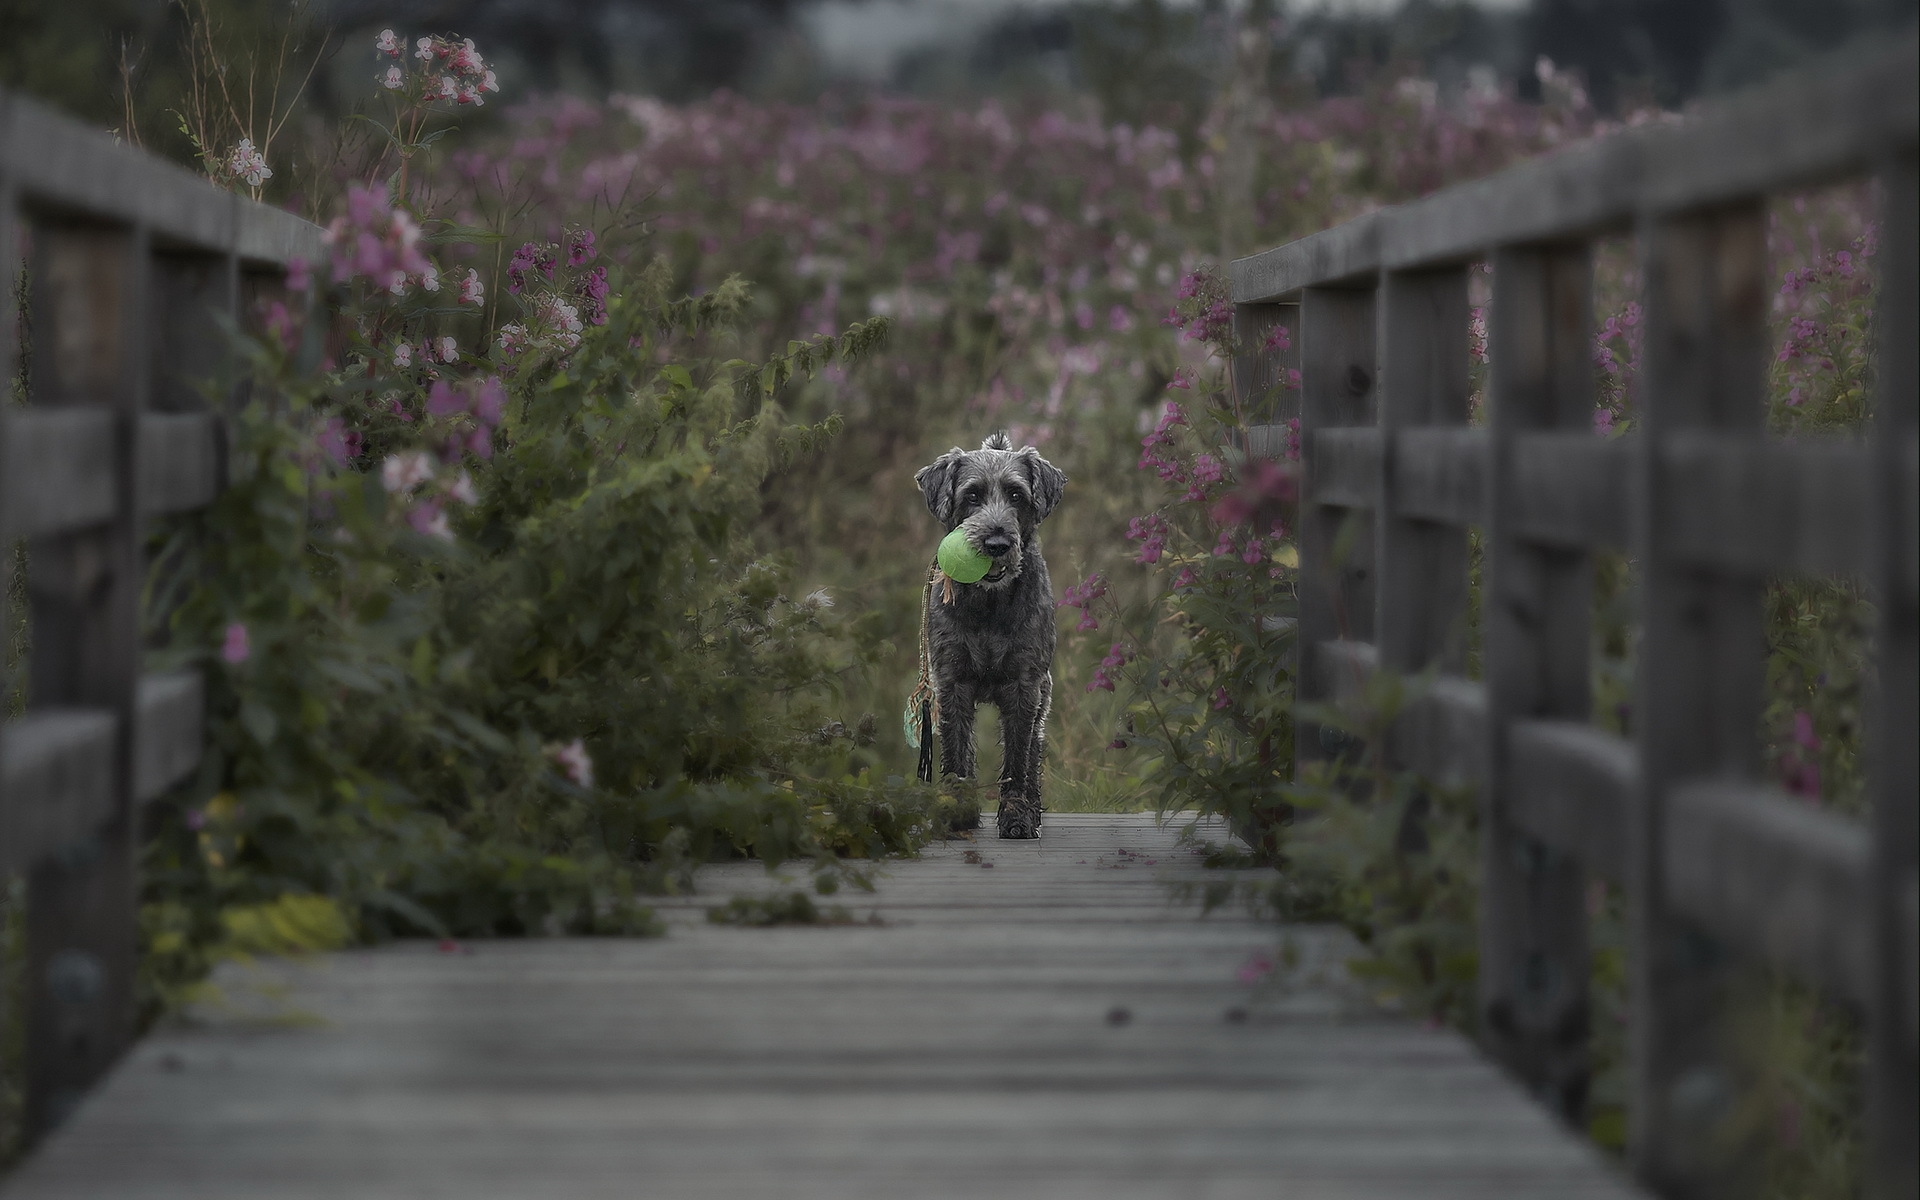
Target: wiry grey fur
{"type": "Point", "coordinates": [994, 643]}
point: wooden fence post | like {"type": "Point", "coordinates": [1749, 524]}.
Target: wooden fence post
{"type": "Point", "coordinates": [1337, 373]}
{"type": "Point", "coordinates": [1422, 597]}
{"type": "Point", "coordinates": [1893, 1083]}
{"type": "Point", "coordinates": [1536, 605]}
{"type": "Point", "coordinates": [1701, 673]}
{"type": "Point", "coordinates": [89, 293]}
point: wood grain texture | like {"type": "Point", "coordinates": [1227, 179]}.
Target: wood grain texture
{"type": "Point", "coordinates": [1893, 1007]}
{"type": "Point", "coordinates": [962, 1049]}
{"type": "Point", "coordinates": [1533, 985]}
{"type": "Point", "coordinates": [60, 166]}
{"type": "Point", "coordinates": [1782, 881]}
{"type": "Point", "coordinates": [1701, 671]}
{"type": "Point", "coordinates": [1831, 120]}
{"type": "Point", "coordinates": [1338, 369]}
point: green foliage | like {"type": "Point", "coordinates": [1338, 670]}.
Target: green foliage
{"type": "Point", "coordinates": [792, 908]}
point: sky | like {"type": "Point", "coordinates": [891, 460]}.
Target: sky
{"type": "Point", "coordinates": [864, 37]}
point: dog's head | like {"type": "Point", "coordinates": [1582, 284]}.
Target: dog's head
{"type": "Point", "coordinates": [999, 495]}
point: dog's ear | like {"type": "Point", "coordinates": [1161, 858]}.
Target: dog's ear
{"type": "Point", "coordinates": [937, 480]}
{"type": "Point", "coordinates": [1047, 481]}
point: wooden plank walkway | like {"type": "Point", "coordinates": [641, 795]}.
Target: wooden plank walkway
{"type": "Point", "coordinates": [964, 1048]}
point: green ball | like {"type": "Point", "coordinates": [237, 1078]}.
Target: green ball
{"type": "Point", "coordinates": [961, 562]}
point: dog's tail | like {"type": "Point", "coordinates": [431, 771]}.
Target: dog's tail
{"type": "Point", "coordinates": [997, 441]}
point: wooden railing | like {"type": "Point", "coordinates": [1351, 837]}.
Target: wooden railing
{"type": "Point", "coordinates": [1708, 507]}
{"type": "Point", "coordinates": [132, 265]}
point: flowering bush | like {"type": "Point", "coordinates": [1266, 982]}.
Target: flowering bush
{"type": "Point", "coordinates": [490, 647]}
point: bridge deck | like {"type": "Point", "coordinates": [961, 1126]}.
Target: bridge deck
{"type": "Point", "coordinates": [966, 1048]}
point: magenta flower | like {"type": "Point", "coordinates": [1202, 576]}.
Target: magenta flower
{"type": "Point", "coordinates": [236, 648]}
{"type": "Point", "coordinates": [1221, 699]}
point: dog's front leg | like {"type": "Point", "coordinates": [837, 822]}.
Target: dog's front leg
{"type": "Point", "coordinates": [957, 705]}
{"type": "Point", "coordinates": [1021, 711]}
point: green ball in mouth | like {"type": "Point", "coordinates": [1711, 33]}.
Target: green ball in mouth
{"type": "Point", "coordinates": [961, 562]}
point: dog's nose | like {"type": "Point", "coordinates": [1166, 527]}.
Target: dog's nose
{"type": "Point", "coordinates": [996, 545]}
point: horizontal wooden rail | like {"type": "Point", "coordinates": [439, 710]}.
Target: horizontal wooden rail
{"type": "Point", "coordinates": [1815, 128]}
{"type": "Point", "coordinates": [1752, 505]}
{"type": "Point", "coordinates": [59, 165]}
{"type": "Point", "coordinates": [1574, 785]}
{"type": "Point", "coordinates": [58, 764]}
{"type": "Point", "coordinates": [59, 467]}
{"type": "Point", "coordinates": [1774, 877]}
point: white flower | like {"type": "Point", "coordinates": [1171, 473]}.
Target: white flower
{"type": "Point", "coordinates": [573, 759]}
{"type": "Point", "coordinates": [513, 339]}
{"type": "Point", "coordinates": [388, 43]}
{"type": "Point", "coordinates": [430, 278]}
{"type": "Point", "coordinates": [446, 349]}
{"type": "Point", "coordinates": [403, 356]}
{"type": "Point", "coordinates": [819, 598]}
{"type": "Point", "coordinates": [394, 79]}
{"type": "Point", "coordinates": [461, 489]}
{"type": "Point", "coordinates": [471, 289]}
{"type": "Point", "coordinates": [249, 164]}
{"type": "Point", "coordinates": [424, 50]}
{"type": "Point", "coordinates": [404, 472]}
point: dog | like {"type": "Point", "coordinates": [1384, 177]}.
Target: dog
{"type": "Point", "coordinates": [992, 642]}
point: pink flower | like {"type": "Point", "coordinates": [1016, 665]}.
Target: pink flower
{"type": "Point", "coordinates": [443, 400]}
{"type": "Point", "coordinates": [393, 79]}
{"type": "Point", "coordinates": [1221, 699]}
{"type": "Point", "coordinates": [237, 648]}
{"type": "Point", "coordinates": [490, 401]}
{"type": "Point", "coordinates": [471, 289]}
{"type": "Point", "coordinates": [1257, 967]}
{"type": "Point", "coordinates": [1803, 734]}
{"type": "Point", "coordinates": [338, 443]}
{"type": "Point", "coordinates": [581, 249]}
{"type": "Point", "coordinates": [1180, 380]}
{"type": "Point", "coordinates": [299, 275]}
{"type": "Point", "coordinates": [430, 520]}
{"type": "Point", "coordinates": [388, 43]}
{"type": "Point", "coordinates": [1278, 339]}
{"type": "Point", "coordinates": [1251, 553]}
{"type": "Point", "coordinates": [1185, 579]}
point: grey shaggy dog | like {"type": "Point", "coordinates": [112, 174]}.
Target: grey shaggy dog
{"type": "Point", "coordinates": [994, 643]}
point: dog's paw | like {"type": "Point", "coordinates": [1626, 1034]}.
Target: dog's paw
{"type": "Point", "coordinates": [1018, 818]}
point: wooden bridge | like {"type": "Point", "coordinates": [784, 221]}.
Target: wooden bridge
{"type": "Point", "coordinates": [1040, 1019]}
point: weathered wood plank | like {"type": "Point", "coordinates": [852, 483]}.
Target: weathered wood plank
{"type": "Point", "coordinates": [59, 470]}
{"type": "Point", "coordinates": [1421, 601]}
{"type": "Point", "coordinates": [56, 772]}
{"type": "Point", "coordinates": [1347, 465]}
{"type": "Point", "coordinates": [1700, 676]}
{"type": "Point", "coordinates": [1442, 730]}
{"type": "Point", "coordinates": [181, 462]}
{"type": "Point", "coordinates": [1762, 507]}
{"type": "Point", "coordinates": [1572, 789]}
{"type": "Point", "coordinates": [1832, 120]}
{"type": "Point", "coordinates": [1893, 1005]}
{"type": "Point", "coordinates": [1771, 875]}
{"type": "Point", "coordinates": [89, 292]}
{"type": "Point", "coordinates": [1441, 474]}
{"type": "Point", "coordinates": [1536, 616]}
{"type": "Point", "coordinates": [61, 166]}
{"type": "Point", "coordinates": [959, 1056]}
{"type": "Point", "coordinates": [171, 732]}
{"type": "Point", "coordinates": [1571, 489]}
{"type": "Point", "coordinates": [1337, 373]}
